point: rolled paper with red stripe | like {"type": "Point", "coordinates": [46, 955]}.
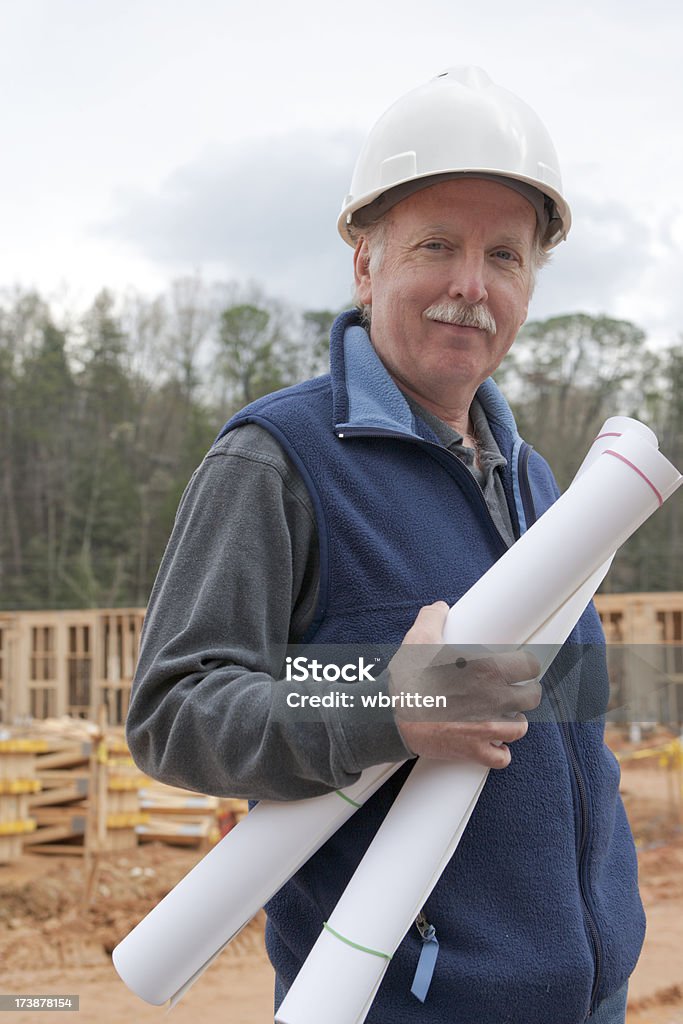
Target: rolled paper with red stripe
{"type": "Point", "coordinates": [175, 943]}
{"type": "Point", "coordinates": [509, 605]}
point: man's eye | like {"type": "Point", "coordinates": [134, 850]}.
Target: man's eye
{"type": "Point", "coordinates": [505, 255]}
{"type": "Point", "coordinates": [433, 246]}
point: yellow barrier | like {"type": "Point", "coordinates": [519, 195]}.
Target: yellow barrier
{"type": "Point", "coordinates": [19, 785]}
{"type": "Point", "coordinates": [23, 746]}
{"type": "Point", "coordinates": [12, 828]}
{"type": "Point", "coordinates": [669, 755]}
{"type": "Point", "coordinates": [127, 820]}
{"type": "Point", "coordinates": [125, 782]}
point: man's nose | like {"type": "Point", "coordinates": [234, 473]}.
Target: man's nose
{"type": "Point", "coordinates": [468, 279]}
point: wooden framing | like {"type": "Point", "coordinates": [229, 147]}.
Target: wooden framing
{"type": "Point", "coordinates": [653, 621]}
{"type": "Point", "coordinates": [4, 665]}
{"type": "Point", "coordinates": [55, 663]}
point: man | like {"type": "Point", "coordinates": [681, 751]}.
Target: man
{"type": "Point", "coordinates": [353, 510]}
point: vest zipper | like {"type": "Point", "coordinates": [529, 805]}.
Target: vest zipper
{"type": "Point", "coordinates": [567, 741]}
{"type": "Point", "coordinates": [443, 454]}
{"type": "Point", "coordinates": [525, 486]}
{"type": "Point", "coordinates": [572, 757]}
{"type": "Point", "coordinates": [582, 838]}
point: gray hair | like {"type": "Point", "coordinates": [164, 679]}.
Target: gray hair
{"type": "Point", "coordinates": [376, 234]}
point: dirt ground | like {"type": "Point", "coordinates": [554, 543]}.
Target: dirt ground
{"type": "Point", "coordinates": [51, 943]}
{"type": "Point", "coordinates": [653, 797]}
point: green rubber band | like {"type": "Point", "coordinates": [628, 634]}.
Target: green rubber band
{"type": "Point", "coordinates": [363, 949]}
{"type": "Point", "coordinates": [347, 798]}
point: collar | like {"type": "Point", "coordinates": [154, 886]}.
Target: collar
{"type": "Point", "coordinates": [366, 399]}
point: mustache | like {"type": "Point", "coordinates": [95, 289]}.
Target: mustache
{"type": "Point", "coordinates": [463, 314]}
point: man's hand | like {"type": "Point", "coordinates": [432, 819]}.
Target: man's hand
{"type": "Point", "coordinates": [484, 708]}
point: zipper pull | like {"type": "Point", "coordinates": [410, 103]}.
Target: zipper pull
{"type": "Point", "coordinates": [427, 961]}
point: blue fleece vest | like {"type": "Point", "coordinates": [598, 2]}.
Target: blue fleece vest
{"type": "Point", "coordinates": [537, 914]}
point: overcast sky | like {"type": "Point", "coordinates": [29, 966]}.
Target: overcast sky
{"type": "Point", "coordinates": [149, 139]}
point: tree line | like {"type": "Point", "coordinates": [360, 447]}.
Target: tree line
{"type": "Point", "coordinates": [105, 415]}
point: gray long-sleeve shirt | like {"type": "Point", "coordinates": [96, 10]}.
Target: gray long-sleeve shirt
{"type": "Point", "coordinates": [239, 578]}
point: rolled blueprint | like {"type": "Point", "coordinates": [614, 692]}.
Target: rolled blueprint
{"type": "Point", "coordinates": [611, 429]}
{"type": "Point", "coordinates": [168, 950]}
{"type": "Point", "coordinates": [618, 489]}
{"type": "Point", "coordinates": [560, 624]}
{"type": "Point", "coordinates": [171, 947]}
{"type": "Point", "coordinates": [603, 506]}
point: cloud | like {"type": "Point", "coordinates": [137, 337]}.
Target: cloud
{"type": "Point", "coordinates": [601, 261]}
{"type": "Point", "coordinates": [619, 261]}
{"type": "Point", "coordinates": [263, 210]}
{"type": "Point", "coordinates": [266, 211]}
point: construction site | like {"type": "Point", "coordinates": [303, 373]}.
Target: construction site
{"type": "Point", "coordinates": [88, 844]}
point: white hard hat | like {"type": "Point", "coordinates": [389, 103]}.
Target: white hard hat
{"type": "Point", "coordinates": [459, 123]}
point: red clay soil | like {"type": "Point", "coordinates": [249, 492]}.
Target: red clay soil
{"type": "Point", "coordinates": [51, 943]}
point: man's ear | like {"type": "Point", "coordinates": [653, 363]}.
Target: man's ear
{"type": "Point", "coordinates": [361, 272]}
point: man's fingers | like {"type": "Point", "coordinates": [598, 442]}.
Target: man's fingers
{"type": "Point", "coordinates": [496, 757]}
{"type": "Point", "coordinates": [471, 687]}
{"type": "Point", "coordinates": [483, 742]}
{"type": "Point", "coordinates": [510, 666]}
{"type": "Point", "coordinates": [469, 695]}
{"type": "Point", "coordinates": [507, 730]}
{"type": "Point", "coordinates": [523, 697]}
{"type": "Point", "coordinates": [428, 626]}
{"type": "Point", "coordinates": [524, 665]}
{"type": "Point", "coordinates": [419, 646]}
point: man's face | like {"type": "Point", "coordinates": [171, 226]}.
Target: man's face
{"type": "Point", "coordinates": [467, 242]}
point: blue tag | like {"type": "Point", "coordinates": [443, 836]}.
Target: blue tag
{"type": "Point", "coordinates": [426, 964]}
